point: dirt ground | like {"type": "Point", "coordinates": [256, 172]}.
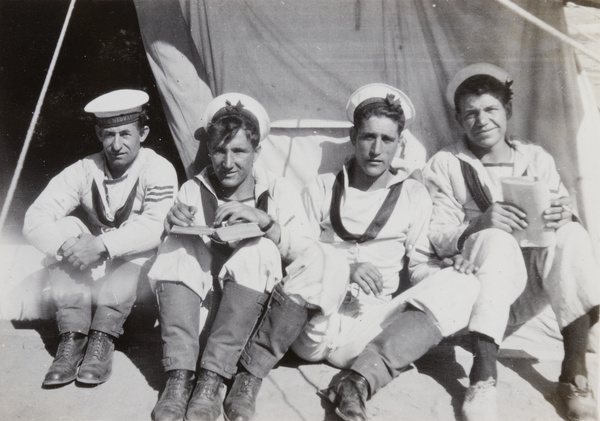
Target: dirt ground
{"type": "Point", "coordinates": [431, 391]}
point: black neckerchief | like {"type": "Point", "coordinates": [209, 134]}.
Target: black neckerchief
{"type": "Point", "coordinates": [221, 252]}
{"type": "Point", "coordinates": [474, 184]}
{"type": "Point", "coordinates": [121, 215]}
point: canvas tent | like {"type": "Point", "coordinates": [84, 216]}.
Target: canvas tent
{"type": "Point", "coordinates": [303, 58]}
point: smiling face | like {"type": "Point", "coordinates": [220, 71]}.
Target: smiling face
{"type": "Point", "coordinates": [375, 142]}
{"type": "Point", "coordinates": [232, 162]}
{"type": "Point", "coordinates": [485, 120]}
{"type": "Point", "coordinates": [121, 145]}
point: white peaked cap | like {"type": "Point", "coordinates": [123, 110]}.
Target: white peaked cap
{"type": "Point", "coordinates": [117, 107]}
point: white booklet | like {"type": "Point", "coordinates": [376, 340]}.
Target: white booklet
{"type": "Point", "coordinates": [533, 198]}
{"type": "Point", "coordinates": [227, 233]}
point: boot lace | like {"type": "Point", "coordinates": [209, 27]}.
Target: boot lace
{"type": "Point", "coordinates": [209, 385]}
{"type": "Point", "coordinates": [99, 345]}
{"type": "Point", "coordinates": [176, 385]}
{"type": "Point", "coordinates": [65, 347]}
{"type": "Point", "coordinates": [248, 385]}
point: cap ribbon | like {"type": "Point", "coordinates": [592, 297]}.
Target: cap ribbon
{"type": "Point", "coordinates": [389, 101]}
{"type": "Point", "coordinates": [117, 120]}
{"type": "Point", "coordinates": [237, 109]}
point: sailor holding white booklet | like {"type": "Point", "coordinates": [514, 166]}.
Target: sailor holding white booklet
{"type": "Point", "coordinates": [477, 215]}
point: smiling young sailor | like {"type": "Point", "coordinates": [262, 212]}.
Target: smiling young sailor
{"type": "Point", "coordinates": [125, 192]}
{"type": "Point", "coordinates": [378, 218]}
{"type": "Point", "coordinates": [471, 219]}
{"type": "Point", "coordinates": [249, 272]}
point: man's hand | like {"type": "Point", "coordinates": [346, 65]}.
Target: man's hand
{"type": "Point", "coordinates": [366, 276]}
{"type": "Point", "coordinates": [559, 213]}
{"type": "Point", "coordinates": [84, 252]}
{"type": "Point", "coordinates": [233, 212]}
{"type": "Point", "coordinates": [503, 216]}
{"type": "Point", "coordinates": [460, 264]}
{"type": "Point", "coordinates": [500, 215]}
{"type": "Point", "coordinates": [181, 215]}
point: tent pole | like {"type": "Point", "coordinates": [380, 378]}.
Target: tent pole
{"type": "Point", "coordinates": [548, 28]}
{"type": "Point", "coordinates": [33, 123]}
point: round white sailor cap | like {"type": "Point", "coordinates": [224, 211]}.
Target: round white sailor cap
{"type": "Point", "coordinates": [234, 103]}
{"type": "Point", "coordinates": [118, 107]}
{"type": "Point", "coordinates": [374, 92]}
{"type": "Point", "coordinates": [474, 70]}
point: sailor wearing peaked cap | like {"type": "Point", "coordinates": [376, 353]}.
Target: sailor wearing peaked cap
{"type": "Point", "coordinates": [241, 105]}
{"type": "Point", "coordinates": [476, 69]}
{"type": "Point", "coordinates": [124, 192]}
{"type": "Point", "coordinates": [378, 93]}
{"type": "Point", "coordinates": [411, 155]}
{"type": "Point", "coordinates": [118, 107]}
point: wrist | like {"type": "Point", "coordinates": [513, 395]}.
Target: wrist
{"type": "Point", "coordinates": [266, 227]}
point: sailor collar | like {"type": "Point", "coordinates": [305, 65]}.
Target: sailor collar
{"type": "Point", "coordinates": [399, 174]}
{"type": "Point", "coordinates": [521, 162]}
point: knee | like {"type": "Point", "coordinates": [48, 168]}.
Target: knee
{"type": "Point", "coordinates": [494, 238]}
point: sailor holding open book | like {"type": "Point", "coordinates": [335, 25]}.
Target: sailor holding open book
{"type": "Point", "coordinates": [192, 269]}
{"type": "Point", "coordinates": [470, 217]}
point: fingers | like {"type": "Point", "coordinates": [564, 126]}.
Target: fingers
{"type": "Point", "coordinates": [461, 264]}
{"type": "Point", "coordinates": [447, 262]}
{"type": "Point", "coordinates": [557, 215]}
{"type": "Point", "coordinates": [237, 212]}
{"type": "Point", "coordinates": [368, 278]}
{"type": "Point", "coordinates": [561, 201]}
{"type": "Point", "coordinates": [465, 266]}
{"type": "Point", "coordinates": [507, 217]}
{"type": "Point", "coordinates": [181, 215]}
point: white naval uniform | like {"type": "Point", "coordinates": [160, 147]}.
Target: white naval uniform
{"type": "Point", "coordinates": [149, 185]}
{"type": "Point", "coordinates": [564, 276]}
{"type": "Point", "coordinates": [255, 263]}
{"type": "Point", "coordinates": [340, 337]}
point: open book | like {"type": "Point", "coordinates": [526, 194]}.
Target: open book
{"type": "Point", "coordinates": [533, 198]}
{"type": "Point", "coordinates": [233, 232]}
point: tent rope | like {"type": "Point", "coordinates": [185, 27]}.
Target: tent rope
{"type": "Point", "coordinates": [548, 28]}
{"type": "Point", "coordinates": [33, 123]}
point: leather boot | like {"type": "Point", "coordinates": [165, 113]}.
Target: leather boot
{"type": "Point", "coordinates": [97, 363]}
{"type": "Point", "coordinates": [173, 401]}
{"type": "Point", "coordinates": [205, 404]}
{"type": "Point", "coordinates": [351, 396]}
{"type": "Point", "coordinates": [69, 355]}
{"type": "Point", "coordinates": [236, 318]}
{"type": "Point", "coordinates": [240, 404]}
{"type": "Point", "coordinates": [281, 324]}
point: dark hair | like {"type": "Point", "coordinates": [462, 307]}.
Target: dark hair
{"type": "Point", "coordinates": [142, 120]}
{"type": "Point", "coordinates": [379, 109]}
{"type": "Point", "coordinates": [227, 126]}
{"type": "Point", "coordinates": [483, 84]}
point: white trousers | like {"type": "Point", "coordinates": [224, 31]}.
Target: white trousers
{"type": "Point", "coordinates": [447, 297]}
{"type": "Point", "coordinates": [517, 284]}
{"type": "Point", "coordinates": [317, 279]}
